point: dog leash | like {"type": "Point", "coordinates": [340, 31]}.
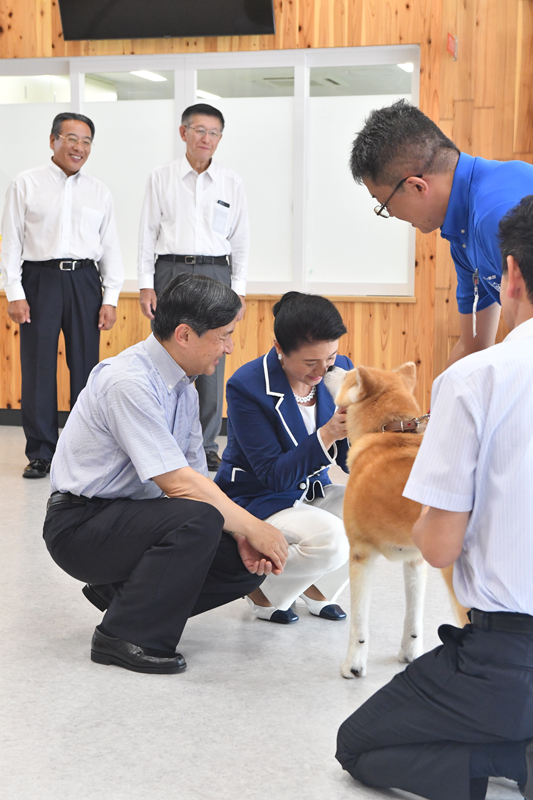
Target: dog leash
{"type": "Point", "coordinates": [404, 426]}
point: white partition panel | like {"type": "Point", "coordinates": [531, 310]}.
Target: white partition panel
{"type": "Point", "coordinates": [291, 119]}
{"type": "Point", "coordinates": [350, 249]}
{"type": "Point", "coordinates": [24, 138]}
{"type": "Point", "coordinates": [257, 144]}
{"type": "Point", "coordinates": [131, 139]}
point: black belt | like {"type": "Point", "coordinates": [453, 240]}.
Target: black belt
{"type": "Point", "coordinates": [66, 497]}
{"type": "Point", "coordinates": [501, 621]}
{"type": "Point", "coordinates": [65, 264]}
{"type": "Point", "coordinates": [220, 260]}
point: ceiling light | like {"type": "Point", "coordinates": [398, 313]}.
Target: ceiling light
{"type": "Point", "coordinates": [408, 67]}
{"type": "Point", "coordinates": [207, 95]}
{"type": "Point", "coordinates": [149, 76]}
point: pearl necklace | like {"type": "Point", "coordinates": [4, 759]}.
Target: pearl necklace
{"type": "Point", "coordinates": [302, 400]}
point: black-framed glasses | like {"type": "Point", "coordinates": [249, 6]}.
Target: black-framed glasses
{"type": "Point", "coordinates": [381, 211]}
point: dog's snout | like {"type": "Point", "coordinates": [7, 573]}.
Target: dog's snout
{"type": "Point", "coordinates": [329, 369]}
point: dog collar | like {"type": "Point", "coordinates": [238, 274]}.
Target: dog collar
{"type": "Point", "coordinates": [404, 426]}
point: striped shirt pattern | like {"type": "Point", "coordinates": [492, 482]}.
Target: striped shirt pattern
{"type": "Point", "coordinates": [477, 455]}
{"type": "Point", "coordinates": [136, 418]}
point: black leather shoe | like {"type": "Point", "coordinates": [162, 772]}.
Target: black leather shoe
{"type": "Point", "coordinates": [213, 461]}
{"type": "Point", "coordinates": [110, 650]}
{"type": "Point", "coordinates": [38, 468]}
{"type": "Point", "coordinates": [99, 595]}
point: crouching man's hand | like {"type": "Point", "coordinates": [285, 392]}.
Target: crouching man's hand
{"type": "Point", "coordinates": [271, 557]}
{"type": "Point", "coordinates": [265, 548]}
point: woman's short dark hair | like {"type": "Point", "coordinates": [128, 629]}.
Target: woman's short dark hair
{"type": "Point", "coordinates": [516, 239]}
{"type": "Point", "coordinates": [195, 300]}
{"type": "Point", "coordinates": [65, 116]}
{"type": "Point", "coordinates": [305, 319]}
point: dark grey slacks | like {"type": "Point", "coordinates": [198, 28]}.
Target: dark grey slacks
{"type": "Point", "coordinates": [58, 300]}
{"type": "Point", "coordinates": [419, 732]}
{"type": "Point", "coordinates": [169, 554]}
{"type": "Point", "coordinates": [210, 387]}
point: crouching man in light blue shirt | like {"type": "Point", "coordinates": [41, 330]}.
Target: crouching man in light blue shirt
{"type": "Point", "coordinates": [132, 511]}
{"type": "Point", "coordinates": [464, 711]}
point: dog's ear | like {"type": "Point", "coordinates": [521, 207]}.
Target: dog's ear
{"type": "Point", "coordinates": [408, 373]}
{"type": "Point", "coordinates": [357, 385]}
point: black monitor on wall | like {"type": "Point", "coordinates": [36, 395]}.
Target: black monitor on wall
{"type": "Point", "coordinates": [147, 19]}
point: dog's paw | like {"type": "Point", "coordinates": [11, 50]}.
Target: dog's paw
{"type": "Point", "coordinates": [350, 670]}
{"type": "Point", "coordinates": [413, 649]}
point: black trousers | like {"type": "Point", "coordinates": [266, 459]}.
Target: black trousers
{"type": "Point", "coordinates": [210, 388]}
{"type": "Point", "coordinates": [421, 732]}
{"type": "Point", "coordinates": [169, 556]}
{"type": "Point", "coordinates": [58, 300]}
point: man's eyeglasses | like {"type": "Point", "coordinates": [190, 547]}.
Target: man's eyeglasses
{"type": "Point", "coordinates": [201, 132]}
{"type": "Point", "coordinates": [381, 211]}
{"type": "Point", "coordinates": [72, 139]}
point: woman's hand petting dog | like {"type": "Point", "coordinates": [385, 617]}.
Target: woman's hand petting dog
{"type": "Point", "coordinates": [335, 428]}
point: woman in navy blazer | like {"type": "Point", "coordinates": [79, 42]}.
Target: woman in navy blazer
{"type": "Point", "coordinates": [283, 435]}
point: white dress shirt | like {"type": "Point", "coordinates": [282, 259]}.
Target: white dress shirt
{"type": "Point", "coordinates": [47, 215]}
{"type": "Point", "coordinates": [185, 213]}
{"type": "Point", "coordinates": [477, 456]}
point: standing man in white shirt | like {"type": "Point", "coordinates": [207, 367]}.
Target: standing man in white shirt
{"type": "Point", "coordinates": [57, 223]}
{"type": "Point", "coordinates": [464, 711]}
{"type": "Point", "coordinates": [195, 220]}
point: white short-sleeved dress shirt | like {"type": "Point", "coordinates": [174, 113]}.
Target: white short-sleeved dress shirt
{"type": "Point", "coordinates": [136, 418]}
{"type": "Point", "coordinates": [47, 215]}
{"type": "Point", "coordinates": [185, 213]}
{"type": "Point", "coordinates": [477, 455]}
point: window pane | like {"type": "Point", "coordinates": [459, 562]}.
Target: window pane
{"type": "Point", "coordinates": [363, 80]}
{"type": "Point", "coordinates": [145, 85]}
{"type": "Point", "coordinates": [275, 82]}
{"type": "Point", "coordinates": [34, 89]}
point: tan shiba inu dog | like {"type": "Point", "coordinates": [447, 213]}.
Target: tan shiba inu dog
{"type": "Point", "coordinates": [377, 518]}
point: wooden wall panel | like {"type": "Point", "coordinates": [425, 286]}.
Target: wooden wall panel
{"type": "Point", "coordinates": [483, 100]}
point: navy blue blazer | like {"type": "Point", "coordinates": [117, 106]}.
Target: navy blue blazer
{"type": "Point", "coordinates": [271, 461]}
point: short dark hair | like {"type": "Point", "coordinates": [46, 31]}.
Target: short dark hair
{"type": "Point", "coordinates": [202, 108]}
{"type": "Point", "coordinates": [66, 115]}
{"type": "Point", "coordinates": [305, 319]}
{"type": "Point", "coordinates": [197, 301]}
{"type": "Point", "coordinates": [399, 141]}
{"type": "Point", "coordinates": [516, 239]}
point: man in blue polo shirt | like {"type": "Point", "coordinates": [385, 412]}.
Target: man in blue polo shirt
{"type": "Point", "coordinates": [418, 175]}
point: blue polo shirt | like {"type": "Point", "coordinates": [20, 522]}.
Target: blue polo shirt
{"type": "Point", "coordinates": [482, 193]}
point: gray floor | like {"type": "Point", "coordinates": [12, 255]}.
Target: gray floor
{"type": "Point", "coordinates": [254, 717]}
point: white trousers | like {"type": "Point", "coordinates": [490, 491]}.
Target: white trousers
{"type": "Point", "coordinates": [318, 549]}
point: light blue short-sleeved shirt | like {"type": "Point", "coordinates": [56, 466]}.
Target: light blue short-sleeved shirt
{"type": "Point", "coordinates": [477, 456]}
{"type": "Point", "coordinates": [136, 418]}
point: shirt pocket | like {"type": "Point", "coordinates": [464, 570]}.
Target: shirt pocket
{"type": "Point", "coordinates": [91, 220]}
{"type": "Point", "coordinates": [221, 217]}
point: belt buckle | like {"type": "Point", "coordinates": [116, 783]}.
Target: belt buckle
{"type": "Point", "coordinates": [190, 259]}
{"type": "Point", "coordinates": [67, 261]}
